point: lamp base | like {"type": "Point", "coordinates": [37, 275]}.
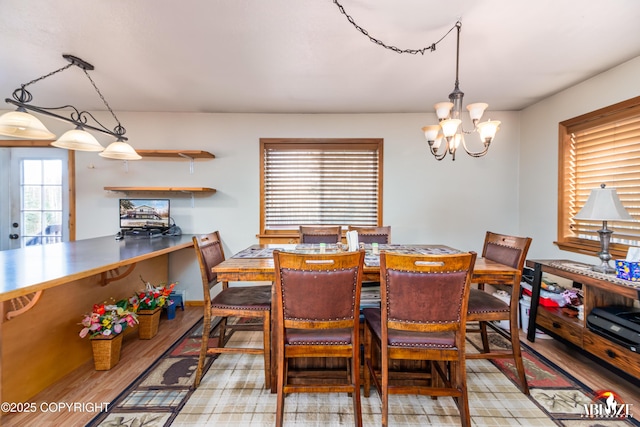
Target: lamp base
{"type": "Point", "coordinates": [604, 268]}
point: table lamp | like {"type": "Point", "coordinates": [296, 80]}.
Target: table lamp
{"type": "Point", "coordinates": [604, 205]}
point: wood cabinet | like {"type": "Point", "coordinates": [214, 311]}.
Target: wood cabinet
{"type": "Point", "coordinates": [599, 290]}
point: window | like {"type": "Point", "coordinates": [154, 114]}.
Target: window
{"type": "Point", "coordinates": [319, 182]}
{"type": "Point", "coordinates": [600, 147]}
{"type": "Point", "coordinates": [41, 213]}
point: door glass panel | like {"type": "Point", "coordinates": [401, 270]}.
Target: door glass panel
{"type": "Point", "coordinates": [41, 195]}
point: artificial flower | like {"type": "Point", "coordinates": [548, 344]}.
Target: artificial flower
{"type": "Point", "coordinates": [108, 319]}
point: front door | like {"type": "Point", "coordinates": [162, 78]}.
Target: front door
{"type": "Point", "coordinates": [34, 206]}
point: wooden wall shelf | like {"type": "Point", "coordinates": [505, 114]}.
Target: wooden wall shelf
{"type": "Point", "coordinates": [189, 154]}
{"type": "Point", "coordinates": [165, 189]}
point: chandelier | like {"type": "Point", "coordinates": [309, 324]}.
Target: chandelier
{"type": "Point", "coordinates": [449, 130]}
{"type": "Point", "coordinates": [21, 124]}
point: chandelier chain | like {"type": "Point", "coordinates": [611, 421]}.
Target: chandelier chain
{"type": "Point", "coordinates": [118, 129]}
{"type": "Point", "coordinates": [46, 75]}
{"type": "Point", "coordinates": [431, 47]}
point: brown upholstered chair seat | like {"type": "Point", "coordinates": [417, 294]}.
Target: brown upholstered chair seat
{"type": "Point", "coordinates": [483, 302]}
{"type": "Point", "coordinates": [409, 339]}
{"type": "Point", "coordinates": [246, 298]}
{"type": "Point", "coordinates": [318, 337]}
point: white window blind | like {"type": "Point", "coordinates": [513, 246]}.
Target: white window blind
{"type": "Point", "coordinates": [321, 183]}
{"type": "Point", "coordinates": [605, 150]}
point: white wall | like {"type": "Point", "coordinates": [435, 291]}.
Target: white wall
{"type": "Point", "coordinates": [511, 190]}
{"type": "Point", "coordinates": [425, 201]}
{"type": "Point", "coordinates": [539, 152]}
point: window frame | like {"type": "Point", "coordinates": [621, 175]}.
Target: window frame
{"type": "Point", "coordinates": [314, 142]}
{"type": "Point", "coordinates": [566, 238]}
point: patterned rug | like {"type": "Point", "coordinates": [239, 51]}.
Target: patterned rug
{"type": "Point", "coordinates": [232, 394]}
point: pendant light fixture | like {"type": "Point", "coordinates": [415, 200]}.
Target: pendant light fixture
{"type": "Point", "coordinates": [22, 124]}
{"type": "Point", "coordinates": [450, 130]}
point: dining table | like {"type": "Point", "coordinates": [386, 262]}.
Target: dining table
{"type": "Point", "coordinates": [255, 264]}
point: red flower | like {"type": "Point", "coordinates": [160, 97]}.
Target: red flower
{"type": "Point", "coordinates": [98, 308]}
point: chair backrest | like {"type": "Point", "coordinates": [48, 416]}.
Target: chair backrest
{"type": "Point", "coordinates": [505, 249]}
{"type": "Point", "coordinates": [373, 234]}
{"type": "Point", "coordinates": [427, 293]}
{"type": "Point", "coordinates": [318, 291]}
{"type": "Point", "coordinates": [209, 253]}
{"type": "Point", "coordinates": [320, 234]}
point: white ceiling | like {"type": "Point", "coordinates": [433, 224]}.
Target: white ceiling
{"type": "Point", "coordinates": [303, 56]}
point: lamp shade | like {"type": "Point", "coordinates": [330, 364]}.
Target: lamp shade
{"type": "Point", "coordinates": [120, 150]}
{"type": "Point", "coordinates": [443, 109]}
{"type": "Point", "coordinates": [20, 124]}
{"type": "Point", "coordinates": [488, 130]}
{"type": "Point", "coordinates": [604, 204]}
{"type": "Point", "coordinates": [431, 132]}
{"type": "Point", "coordinates": [450, 127]}
{"type": "Point", "coordinates": [79, 140]}
{"type": "Point", "coordinates": [477, 110]}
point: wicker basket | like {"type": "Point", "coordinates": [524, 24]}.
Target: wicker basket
{"type": "Point", "coordinates": [148, 322]}
{"type": "Point", "coordinates": [106, 351]}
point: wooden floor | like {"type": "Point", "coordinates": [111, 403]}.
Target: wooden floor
{"type": "Point", "coordinates": [584, 369]}
{"type": "Point", "coordinates": [88, 385]}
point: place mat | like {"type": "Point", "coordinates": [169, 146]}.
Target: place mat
{"type": "Point", "coordinates": [373, 260]}
{"type": "Point", "coordinates": [256, 253]}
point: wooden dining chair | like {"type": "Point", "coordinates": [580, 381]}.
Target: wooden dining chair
{"type": "Point", "coordinates": [423, 317]}
{"type": "Point", "coordinates": [485, 308]}
{"type": "Point", "coordinates": [317, 315]}
{"type": "Point", "coordinates": [320, 234]}
{"type": "Point", "coordinates": [381, 235]}
{"type": "Point", "coordinates": [236, 302]}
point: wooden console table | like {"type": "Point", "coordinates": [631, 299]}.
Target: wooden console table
{"type": "Point", "coordinates": [599, 290]}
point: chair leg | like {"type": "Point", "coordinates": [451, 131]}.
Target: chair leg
{"type": "Point", "coordinates": [384, 389]}
{"type": "Point", "coordinates": [222, 331]}
{"type": "Point", "coordinates": [204, 345]}
{"type": "Point", "coordinates": [281, 382]}
{"type": "Point", "coordinates": [517, 356]}
{"type": "Point", "coordinates": [485, 338]}
{"type": "Point", "coordinates": [355, 380]}
{"type": "Point", "coordinates": [266, 339]}
{"type": "Point", "coordinates": [367, 361]}
{"type": "Point", "coordinates": [460, 373]}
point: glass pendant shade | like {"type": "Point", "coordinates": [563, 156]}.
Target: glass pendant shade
{"type": "Point", "coordinates": [20, 124]}
{"type": "Point", "coordinates": [431, 132]}
{"type": "Point", "coordinates": [443, 109]}
{"type": "Point", "coordinates": [477, 110]}
{"type": "Point", "coordinates": [488, 129]}
{"type": "Point", "coordinates": [457, 139]}
{"type": "Point", "coordinates": [79, 140]}
{"type": "Point", "coordinates": [120, 150]}
{"type": "Point", "coordinates": [450, 127]}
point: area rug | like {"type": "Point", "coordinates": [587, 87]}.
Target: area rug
{"type": "Point", "coordinates": [232, 394]}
